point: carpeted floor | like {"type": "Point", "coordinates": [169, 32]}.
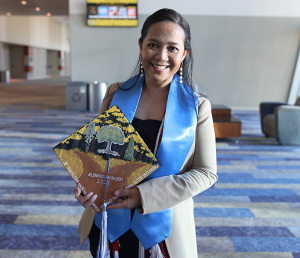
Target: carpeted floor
{"type": "Point", "coordinates": [252, 211]}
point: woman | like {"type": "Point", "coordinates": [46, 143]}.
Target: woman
{"type": "Point", "coordinates": [177, 125]}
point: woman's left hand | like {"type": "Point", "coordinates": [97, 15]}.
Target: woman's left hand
{"type": "Point", "coordinates": [128, 199]}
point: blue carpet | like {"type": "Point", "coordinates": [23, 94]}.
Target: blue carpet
{"type": "Point", "coordinates": [254, 207]}
{"type": "Point", "coordinates": [266, 244]}
{"type": "Point", "coordinates": [223, 212]}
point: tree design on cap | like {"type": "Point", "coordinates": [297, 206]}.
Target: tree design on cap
{"type": "Point", "coordinates": [110, 134]}
{"type": "Point", "coordinates": [89, 135]}
{"type": "Point", "coordinates": [129, 150]}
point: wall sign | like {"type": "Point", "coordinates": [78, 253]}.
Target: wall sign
{"type": "Point", "coordinates": [112, 13]}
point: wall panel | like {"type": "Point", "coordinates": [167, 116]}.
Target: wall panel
{"type": "Point", "coordinates": [35, 31]}
{"type": "Point", "coordinates": [239, 61]}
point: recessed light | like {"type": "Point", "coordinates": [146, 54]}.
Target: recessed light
{"type": "Point", "coordinates": [37, 9]}
{"type": "Point", "coordinates": [23, 2]}
{"type": "Point", "coordinates": [48, 14]}
{"type": "Point", "coordinates": [8, 14]}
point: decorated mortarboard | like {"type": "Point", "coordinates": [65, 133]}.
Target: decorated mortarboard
{"type": "Point", "coordinates": [106, 155]}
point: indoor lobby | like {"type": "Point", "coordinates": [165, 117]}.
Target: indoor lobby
{"type": "Point", "coordinates": [244, 54]}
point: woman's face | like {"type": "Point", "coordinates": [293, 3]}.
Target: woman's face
{"type": "Point", "coordinates": [162, 52]}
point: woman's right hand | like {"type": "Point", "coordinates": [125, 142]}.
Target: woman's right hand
{"type": "Point", "coordinates": [85, 200]}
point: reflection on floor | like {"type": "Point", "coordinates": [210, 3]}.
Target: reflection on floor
{"type": "Point", "coordinates": [252, 211]}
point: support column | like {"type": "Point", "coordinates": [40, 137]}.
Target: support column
{"type": "Point", "coordinates": [295, 87]}
{"type": "Point", "coordinates": [28, 59]}
{"type": "Point", "coordinates": [61, 62]}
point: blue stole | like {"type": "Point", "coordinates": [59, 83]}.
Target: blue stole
{"type": "Point", "coordinates": [178, 136]}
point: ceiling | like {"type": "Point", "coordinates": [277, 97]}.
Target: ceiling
{"type": "Point", "coordinates": [55, 7]}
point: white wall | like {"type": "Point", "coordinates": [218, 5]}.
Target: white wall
{"type": "Point", "coordinates": [4, 57]}
{"type": "Point", "coordinates": [3, 28]}
{"type": "Point", "coordinates": [39, 64]}
{"type": "Point", "coordinates": [35, 31]}
{"type": "Point", "coordinates": [67, 67]}
{"type": "Point", "coordinates": [242, 61]}
{"type": "Point", "coordinates": [243, 54]}
{"type": "Point", "coordinates": [39, 32]}
{"type": "Point", "coordinates": [262, 8]}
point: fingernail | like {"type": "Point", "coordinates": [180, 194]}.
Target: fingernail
{"type": "Point", "coordinates": [117, 192]}
{"type": "Point", "coordinates": [95, 196]}
{"type": "Point", "coordinates": [91, 193]}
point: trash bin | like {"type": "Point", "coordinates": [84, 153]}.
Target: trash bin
{"type": "Point", "coordinates": [97, 92]}
{"type": "Point", "coordinates": [76, 96]}
{"type": "Point", "coordinates": [5, 76]}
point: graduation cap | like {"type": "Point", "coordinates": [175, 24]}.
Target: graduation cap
{"type": "Point", "coordinates": [106, 155]}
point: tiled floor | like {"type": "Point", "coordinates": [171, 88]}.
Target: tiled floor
{"type": "Point", "coordinates": [252, 211]}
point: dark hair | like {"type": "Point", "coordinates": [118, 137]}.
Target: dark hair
{"type": "Point", "coordinates": [169, 15]}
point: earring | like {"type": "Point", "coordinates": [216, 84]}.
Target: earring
{"type": "Point", "coordinates": [180, 74]}
{"type": "Point", "coordinates": [142, 69]}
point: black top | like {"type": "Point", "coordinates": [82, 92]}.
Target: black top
{"type": "Point", "coordinates": [148, 130]}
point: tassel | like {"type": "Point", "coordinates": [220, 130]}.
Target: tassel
{"type": "Point", "coordinates": [155, 252]}
{"type": "Point", "coordinates": [102, 247]}
{"type": "Point", "coordinates": [108, 249]}
{"type": "Point", "coordinates": [141, 251]}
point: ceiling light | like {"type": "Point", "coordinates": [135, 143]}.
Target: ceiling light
{"type": "Point", "coordinates": [8, 14]}
{"type": "Point", "coordinates": [37, 9]}
{"type": "Point", "coordinates": [48, 14]}
{"type": "Point", "coordinates": [23, 2]}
